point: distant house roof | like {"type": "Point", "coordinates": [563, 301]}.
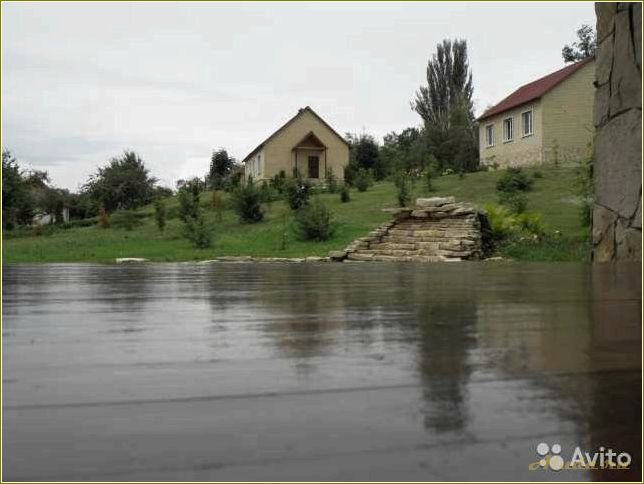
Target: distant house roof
{"type": "Point", "coordinates": [299, 113]}
{"type": "Point", "coordinates": [534, 90]}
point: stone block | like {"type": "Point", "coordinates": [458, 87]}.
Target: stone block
{"type": "Point", "coordinates": [628, 242]}
{"type": "Point", "coordinates": [604, 61]}
{"type": "Point", "coordinates": [603, 234]}
{"type": "Point", "coordinates": [605, 14]}
{"type": "Point", "coordinates": [618, 168]}
{"type": "Point", "coordinates": [338, 255]}
{"type": "Point", "coordinates": [626, 80]}
{"type": "Point", "coordinates": [601, 108]}
{"type": "Point", "coordinates": [359, 256]}
{"type": "Point", "coordinates": [434, 201]}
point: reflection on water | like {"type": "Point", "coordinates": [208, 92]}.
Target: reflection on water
{"type": "Point", "coordinates": [494, 353]}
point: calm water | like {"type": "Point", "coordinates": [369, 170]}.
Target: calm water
{"type": "Point", "coordinates": [318, 371]}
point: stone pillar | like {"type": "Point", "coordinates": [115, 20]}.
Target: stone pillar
{"type": "Point", "coordinates": [617, 212]}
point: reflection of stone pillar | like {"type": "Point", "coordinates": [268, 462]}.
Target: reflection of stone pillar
{"type": "Point", "coordinates": [617, 213]}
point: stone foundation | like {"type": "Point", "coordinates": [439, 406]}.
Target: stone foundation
{"type": "Point", "coordinates": [435, 230]}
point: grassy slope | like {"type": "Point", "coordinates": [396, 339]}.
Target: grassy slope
{"type": "Point", "coordinates": [553, 196]}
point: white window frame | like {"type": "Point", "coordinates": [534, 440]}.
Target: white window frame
{"type": "Point", "coordinates": [511, 130]}
{"type": "Point", "coordinates": [524, 134]}
{"type": "Point", "coordinates": [487, 140]}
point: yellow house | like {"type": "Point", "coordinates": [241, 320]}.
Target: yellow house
{"type": "Point", "coordinates": [304, 145]}
{"type": "Point", "coordinates": [549, 120]}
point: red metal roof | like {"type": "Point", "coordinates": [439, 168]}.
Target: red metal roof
{"type": "Point", "coordinates": [534, 90]}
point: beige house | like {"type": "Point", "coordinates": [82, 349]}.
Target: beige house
{"type": "Point", "coordinates": [305, 145]}
{"type": "Point", "coordinates": [549, 120]}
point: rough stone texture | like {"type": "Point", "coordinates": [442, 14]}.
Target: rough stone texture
{"type": "Point", "coordinates": [436, 229]}
{"type": "Point", "coordinates": [617, 225]}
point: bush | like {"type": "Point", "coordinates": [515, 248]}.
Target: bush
{"type": "Point", "coordinates": [345, 196]}
{"type": "Point", "coordinates": [331, 181]}
{"type": "Point", "coordinates": [427, 180]}
{"type": "Point", "coordinates": [217, 203]}
{"type": "Point", "coordinates": [247, 202]}
{"type": "Point", "coordinates": [160, 214]}
{"type": "Point", "coordinates": [504, 224]}
{"type": "Point", "coordinates": [278, 182]}
{"type": "Point", "coordinates": [516, 202]}
{"type": "Point", "coordinates": [103, 219]}
{"type": "Point", "coordinates": [350, 172]}
{"type": "Point", "coordinates": [362, 180]}
{"type": "Point", "coordinates": [404, 192]}
{"type": "Point", "coordinates": [127, 220]}
{"type": "Point", "coordinates": [514, 180]}
{"type": "Point", "coordinates": [314, 221]}
{"type": "Point", "coordinates": [537, 174]}
{"type": "Point", "coordinates": [188, 197]}
{"type": "Point", "coordinates": [268, 193]}
{"type": "Point", "coordinates": [297, 192]}
{"type": "Point", "coordinates": [36, 230]}
{"type": "Point", "coordinates": [197, 231]}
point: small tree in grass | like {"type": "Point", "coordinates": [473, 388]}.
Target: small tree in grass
{"type": "Point", "coordinates": [103, 219]}
{"type": "Point", "coordinates": [331, 181]}
{"type": "Point", "coordinates": [297, 192]}
{"type": "Point", "coordinates": [217, 202]}
{"type": "Point", "coordinates": [345, 195]}
{"type": "Point", "coordinates": [197, 231]}
{"type": "Point", "coordinates": [247, 200]}
{"type": "Point", "coordinates": [404, 190]}
{"type": "Point", "coordinates": [362, 180]}
{"type": "Point", "coordinates": [315, 221]}
{"type": "Point", "coordinates": [160, 214]}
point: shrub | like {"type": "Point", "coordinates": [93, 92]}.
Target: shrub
{"type": "Point", "coordinates": [350, 172]}
{"type": "Point", "coordinates": [188, 196]}
{"type": "Point", "coordinates": [404, 192]}
{"type": "Point", "coordinates": [36, 230]}
{"type": "Point", "coordinates": [197, 231]}
{"type": "Point", "coordinates": [314, 221]}
{"type": "Point", "coordinates": [537, 174]}
{"type": "Point", "coordinates": [461, 174]}
{"type": "Point", "coordinates": [268, 193]}
{"type": "Point", "coordinates": [103, 219]}
{"type": "Point", "coordinates": [160, 214]}
{"type": "Point", "coordinates": [362, 180]}
{"type": "Point", "coordinates": [345, 196]}
{"type": "Point", "coordinates": [502, 221]}
{"type": "Point", "coordinates": [217, 203]}
{"type": "Point", "coordinates": [247, 202]}
{"type": "Point", "coordinates": [331, 181]}
{"type": "Point", "coordinates": [516, 202]}
{"type": "Point", "coordinates": [531, 223]}
{"type": "Point", "coordinates": [297, 192]}
{"type": "Point", "coordinates": [127, 220]}
{"type": "Point", "coordinates": [514, 180]}
{"type": "Point", "coordinates": [278, 181]}
{"type": "Point", "coordinates": [428, 176]}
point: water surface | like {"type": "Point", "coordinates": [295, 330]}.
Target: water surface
{"type": "Point", "coordinates": [317, 371]}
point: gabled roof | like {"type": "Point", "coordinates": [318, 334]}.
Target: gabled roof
{"type": "Point", "coordinates": [310, 141]}
{"type": "Point", "coordinates": [299, 113]}
{"type": "Point", "coordinates": [534, 90]}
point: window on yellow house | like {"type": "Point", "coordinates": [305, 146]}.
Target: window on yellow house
{"type": "Point", "coordinates": [489, 135]}
{"type": "Point", "coordinates": [507, 130]}
{"type": "Point", "coordinates": [526, 121]}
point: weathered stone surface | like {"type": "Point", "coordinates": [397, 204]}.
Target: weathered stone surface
{"type": "Point", "coordinates": [130, 260]}
{"type": "Point", "coordinates": [604, 61]}
{"type": "Point", "coordinates": [434, 201]}
{"type": "Point", "coordinates": [618, 169]}
{"type": "Point", "coordinates": [419, 214]}
{"type": "Point", "coordinates": [338, 255]}
{"type": "Point", "coordinates": [628, 242]}
{"type": "Point", "coordinates": [605, 15]}
{"type": "Point", "coordinates": [626, 81]}
{"type": "Point", "coordinates": [601, 109]}
{"type": "Point", "coordinates": [603, 234]}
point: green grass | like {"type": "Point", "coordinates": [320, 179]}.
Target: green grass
{"type": "Point", "coordinates": [553, 196]}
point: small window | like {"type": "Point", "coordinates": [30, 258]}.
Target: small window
{"type": "Point", "coordinates": [489, 135]}
{"type": "Point", "coordinates": [508, 134]}
{"type": "Point", "coordinates": [526, 122]}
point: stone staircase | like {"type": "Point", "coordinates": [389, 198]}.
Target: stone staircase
{"type": "Point", "coordinates": [437, 229]}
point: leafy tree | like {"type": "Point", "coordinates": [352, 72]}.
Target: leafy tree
{"type": "Point", "coordinates": [315, 221]}
{"type": "Point", "coordinates": [160, 213]}
{"type": "Point", "coordinates": [221, 166]}
{"type": "Point", "coordinates": [584, 47]}
{"type": "Point", "coordinates": [297, 191]}
{"type": "Point", "coordinates": [198, 231]}
{"type": "Point", "coordinates": [446, 107]}
{"type": "Point", "coordinates": [17, 203]}
{"type": "Point", "coordinates": [125, 183]}
{"type": "Point", "coordinates": [364, 153]}
{"type": "Point", "coordinates": [188, 195]}
{"type": "Point", "coordinates": [247, 201]}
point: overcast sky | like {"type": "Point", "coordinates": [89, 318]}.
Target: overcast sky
{"type": "Point", "coordinates": [83, 82]}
